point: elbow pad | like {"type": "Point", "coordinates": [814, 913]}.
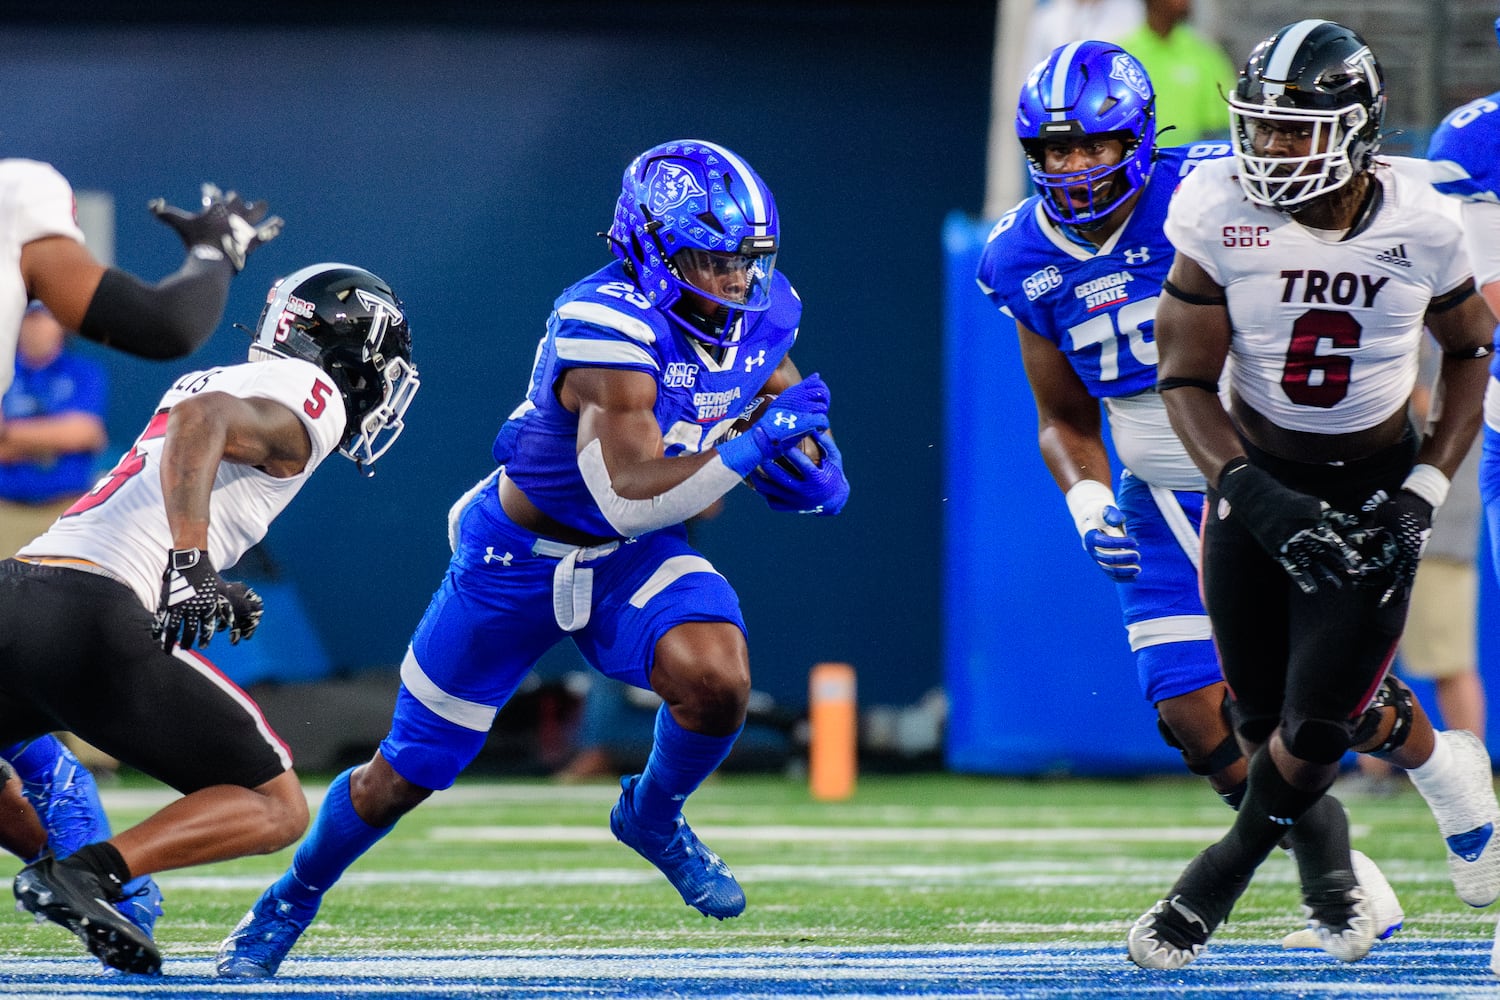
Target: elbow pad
{"type": "Point", "coordinates": [636, 517]}
{"type": "Point", "coordinates": [167, 320]}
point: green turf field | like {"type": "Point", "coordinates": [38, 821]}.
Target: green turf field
{"type": "Point", "coordinates": [910, 860]}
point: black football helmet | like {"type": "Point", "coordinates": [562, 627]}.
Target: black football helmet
{"type": "Point", "coordinates": [1316, 75]}
{"type": "Point", "coordinates": [349, 323]}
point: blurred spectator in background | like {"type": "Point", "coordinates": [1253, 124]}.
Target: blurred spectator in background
{"type": "Point", "coordinates": [1192, 74]}
{"type": "Point", "coordinates": [1058, 22]}
{"type": "Point", "coordinates": [53, 430]}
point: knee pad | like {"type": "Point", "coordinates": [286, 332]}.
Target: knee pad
{"type": "Point", "coordinates": [1220, 757]}
{"type": "Point", "coordinates": [1319, 741]}
{"type": "Point", "coordinates": [1393, 694]}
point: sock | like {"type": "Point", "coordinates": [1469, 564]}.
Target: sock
{"type": "Point", "coordinates": [337, 839]}
{"type": "Point", "coordinates": [34, 760]}
{"type": "Point", "coordinates": [1270, 807]}
{"type": "Point", "coordinates": [1320, 840]}
{"type": "Point", "coordinates": [1433, 772]}
{"type": "Point", "coordinates": [678, 764]}
{"type": "Point", "coordinates": [104, 861]}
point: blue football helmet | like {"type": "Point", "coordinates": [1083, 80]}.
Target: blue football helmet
{"type": "Point", "coordinates": [1082, 89]}
{"type": "Point", "coordinates": [693, 217]}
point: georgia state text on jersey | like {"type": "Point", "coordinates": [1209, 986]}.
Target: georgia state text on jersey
{"type": "Point", "coordinates": [35, 201]}
{"type": "Point", "coordinates": [121, 524]}
{"type": "Point", "coordinates": [604, 321]}
{"type": "Point", "coordinates": [1100, 308]}
{"type": "Point", "coordinates": [1326, 329]}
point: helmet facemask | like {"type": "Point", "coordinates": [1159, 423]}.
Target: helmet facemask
{"type": "Point", "coordinates": [1287, 181]}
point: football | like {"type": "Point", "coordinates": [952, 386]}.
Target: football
{"type": "Point", "coordinates": [743, 422]}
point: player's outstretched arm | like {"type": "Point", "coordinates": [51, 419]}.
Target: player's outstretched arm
{"type": "Point", "coordinates": [170, 318]}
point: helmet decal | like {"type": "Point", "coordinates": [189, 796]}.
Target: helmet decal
{"type": "Point", "coordinates": [1129, 72]}
{"type": "Point", "coordinates": [669, 185]}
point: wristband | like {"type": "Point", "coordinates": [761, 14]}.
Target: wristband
{"type": "Point", "coordinates": [1086, 498]}
{"type": "Point", "coordinates": [1429, 483]}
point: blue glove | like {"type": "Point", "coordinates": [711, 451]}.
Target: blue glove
{"type": "Point", "coordinates": [801, 410]}
{"type": "Point", "coordinates": [797, 484]}
{"type": "Point", "coordinates": [1118, 554]}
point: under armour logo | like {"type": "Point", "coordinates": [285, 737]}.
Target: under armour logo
{"type": "Point", "coordinates": [752, 363]}
{"type": "Point", "coordinates": [1141, 256]}
{"type": "Point", "coordinates": [489, 556]}
{"type": "Point", "coordinates": [785, 419]}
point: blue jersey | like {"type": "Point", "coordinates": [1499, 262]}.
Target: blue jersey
{"type": "Point", "coordinates": [1469, 137]}
{"type": "Point", "coordinates": [1098, 307]}
{"type": "Point", "coordinates": [604, 321]}
{"type": "Point", "coordinates": [69, 383]}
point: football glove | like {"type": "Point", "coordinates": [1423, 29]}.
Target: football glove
{"type": "Point", "coordinates": [801, 410]}
{"type": "Point", "coordinates": [196, 602]}
{"type": "Point", "coordinates": [1302, 533]}
{"type": "Point", "coordinates": [797, 484]}
{"type": "Point", "coordinates": [227, 225]}
{"type": "Point", "coordinates": [1397, 528]}
{"type": "Point", "coordinates": [1111, 546]}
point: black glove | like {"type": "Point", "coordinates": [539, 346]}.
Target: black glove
{"type": "Point", "coordinates": [1397, 528]}
{"type": "Point", "coordinates": [227, 224]}
{"type": "Point", "coordinates": [1301, 532]}
{"type": "Point", "coordinates": [195, 603]}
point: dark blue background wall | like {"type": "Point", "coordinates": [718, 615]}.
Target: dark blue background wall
{"type": "Point", "coordinates": [470, 163]}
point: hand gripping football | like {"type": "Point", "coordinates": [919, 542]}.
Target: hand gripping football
{"type": "Point", "coordinates": [751, 413]}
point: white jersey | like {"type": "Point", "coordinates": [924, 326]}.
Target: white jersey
{"type": "Point", "coordinates": [121, 524]}
{"type": "Point", "coordinates": [35, 201]}
{"type": "Point", "coordinates": [1326, 330]}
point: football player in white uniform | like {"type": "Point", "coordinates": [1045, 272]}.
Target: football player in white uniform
{"type": "Point", "coordinates": [43, 257]}
{"type": "Point", "coordinates": [1313, 267]}
{"type": "Point", "coordinates": [102, 613]}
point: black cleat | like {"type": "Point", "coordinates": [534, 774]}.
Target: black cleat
{"type": "Point", "coordinates": [78, 900]}
{"type": "Point", "coordinates": [1176, 929]}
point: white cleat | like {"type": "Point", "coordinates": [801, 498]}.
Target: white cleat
{"type": "Point", "coordinates": [1384, 908]}
{"type": "Point", "coordinates": [1468, 816]}
{"type": "Point", "coordinates": [1167, 936]}
{"type": "Point", "coordinates": [1349, 934]}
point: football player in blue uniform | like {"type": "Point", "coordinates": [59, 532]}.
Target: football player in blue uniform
{"type": "Point", "coordinates": [624, 434]}
{"type": "Point", "coordinates": [1079, 267]}
{"type": "Point", "coordinates": [1465, 151]}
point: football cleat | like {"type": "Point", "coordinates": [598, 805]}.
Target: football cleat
{"type": "Point", "coordinates": [1176, 929]}
{"type": "Point", "coordinates": [1467, 813]}
{"type": "Point", "coordinates": [1338, 913]}
{"type": "Point", "coordinates": [705, 881]}
{"type": "Point", "coordinates": [258, 944]}
{"type": "Point", "coordinates": [78, 900]}
{"type": "Point", "coordinates": [1385, 908]}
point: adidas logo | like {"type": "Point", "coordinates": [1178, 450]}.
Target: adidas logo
{"type": "Point", "coordinates": [1395, 255]}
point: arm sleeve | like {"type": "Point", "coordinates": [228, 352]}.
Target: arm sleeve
{"type": "Point", "coordinates": [636, 517]}
{"type": "Point", "coordinates": [167, 320]}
